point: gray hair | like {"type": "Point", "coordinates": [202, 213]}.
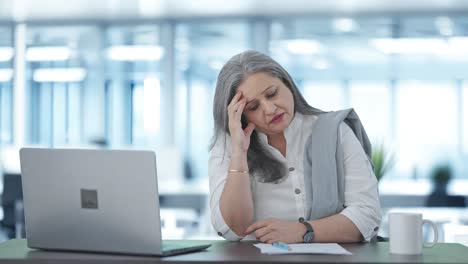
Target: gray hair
{"type": "Point", "coordinates": [261, 162]}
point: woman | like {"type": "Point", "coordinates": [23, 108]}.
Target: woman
{"type": "Point", "coordinates": [262, 182]}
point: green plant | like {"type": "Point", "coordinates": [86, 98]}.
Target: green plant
{"type": "Point", "coordinates": [441, 174]}
{"type": "Point", "coordinates": [383, 161]}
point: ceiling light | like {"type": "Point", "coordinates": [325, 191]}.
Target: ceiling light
{"type": "Point", "coordinates": [303, 46]}
{"type": "Point", "coordinates": [345, 25]}
{"type": "Point", "coordinates": [6, 53]}
{"type": "Point", "coordinates": [410, 45]}
{"type": "Point", "coordinates": [444, 25]}
{"type": "Point", "coordinates": [59, 75]}
{"type": "Point", "coordinates": [135, 53]}
{"type": "Point", "coordinates": [48, 53]}
{"type": "Point", "coordinates": [321, 64]}
{"type": "Point", "coordinates": [6, 75]}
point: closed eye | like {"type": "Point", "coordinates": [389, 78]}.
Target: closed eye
{"type": "Point", "coordinates": [271, 95]}
{"type": "Point", "coordinates": [253, 108]}
{"type": "Point", "coordinates": [268, 96]}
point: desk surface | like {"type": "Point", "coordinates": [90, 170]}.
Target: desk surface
{"type": "Point", "coordinates": [241, 252]}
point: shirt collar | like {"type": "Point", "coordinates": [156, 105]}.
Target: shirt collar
{"type": "Point", "coordinates": [294, 126]}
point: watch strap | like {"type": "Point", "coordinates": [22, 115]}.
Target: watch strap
{"type": "Point", "coordinates": [309, 235]}
{"type": "Point", "coordinates": [308, 226]}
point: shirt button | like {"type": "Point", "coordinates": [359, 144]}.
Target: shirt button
{"type": "Point", "coordinates": [219, 234]}
{"type": "Point", "coordinates": [291, 169]}
{"type": "Point", "coordinates": [301, 219]}
{"type": "Point", "coordinates": [297, 191]}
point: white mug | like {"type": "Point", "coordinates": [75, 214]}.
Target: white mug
{"type": "Point", "coordinates": [406, 233]}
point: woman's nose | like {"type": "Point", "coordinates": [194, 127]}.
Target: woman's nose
{"type": "Point", "coordinates": [270, 108]}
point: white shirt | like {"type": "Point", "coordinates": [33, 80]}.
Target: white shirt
{"type": "Point", "coordinates": [286, 200]}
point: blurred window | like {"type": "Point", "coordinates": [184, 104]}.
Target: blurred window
{"type": "Point", "coordinates": [6, 84]}
{"type": "Point", "coordinates": [371, 100]}
{"type": "Point", "coordinates": [327, 96]}
{"type": "Point", "coordinates": [59, 68]}
{"type": "Point", "coordinates": [354, 62]}
{"type": "Point", "coordinates": [465, 119]}
{"type": "Point", "coordinates": [152, 84]}
{"type": "Point", "coordinates": [201, 50]}
{"type": "Point", "coordinates": [133, 64]}
{"type": "Point", "coordinates": [427, 134]}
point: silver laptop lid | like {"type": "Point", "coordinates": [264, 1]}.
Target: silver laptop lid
{"type": "Point", "coordinates": [91, 200]}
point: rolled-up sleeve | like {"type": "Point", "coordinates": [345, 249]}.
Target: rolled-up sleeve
{"type": "Point", "coordinates": [362, 205]}
{"type": "Point", "coordinates": [217, 169]}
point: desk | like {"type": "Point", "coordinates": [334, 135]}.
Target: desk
{"type": "Point", "coordinates": [241, 252]}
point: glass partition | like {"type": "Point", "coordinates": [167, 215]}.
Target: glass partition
{"type": "Point", "coordinates": [151, 85]}
{"type": "Point", "coordinates": [201, 49]}
{"type": "Point", "coordinates": [6, 84]}
{"type": "Point", "coordinates": [372, 102]}
{"type": "Point", "coordinates": [464, 119]}
{"type": "Point", "coordinates": [401, 74]}
{"type": "Point", "coordinates": [133, 85]}
{"type": "Point", "coordinates": [61, 69]}
{"type": "Point", "coordinates": [426, 127]}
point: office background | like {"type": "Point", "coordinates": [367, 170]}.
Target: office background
{"type": "Point", "coordinates": [141, 74]}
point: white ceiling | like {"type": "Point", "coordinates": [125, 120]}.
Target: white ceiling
{"type": "Point", "coordinates": [40, 10]}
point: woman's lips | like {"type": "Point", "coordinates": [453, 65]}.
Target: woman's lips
{"type": "Point", "coordinates": [277, 119]}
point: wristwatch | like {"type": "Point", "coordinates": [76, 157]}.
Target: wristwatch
{"type": "Point", "coordinates": [309, 234]}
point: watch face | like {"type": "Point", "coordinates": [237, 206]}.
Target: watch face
{"type": "Point", "coordinates": [308, 237]}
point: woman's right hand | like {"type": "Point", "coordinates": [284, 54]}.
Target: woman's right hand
{"type": "Point", "coordinates": [240, 138]}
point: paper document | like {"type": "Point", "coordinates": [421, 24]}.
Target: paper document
{"type": "Point", "coordinates": [312, 248]}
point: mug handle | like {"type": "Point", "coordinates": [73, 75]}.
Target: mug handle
{"type": "Point", "coordinates": [436, 233]}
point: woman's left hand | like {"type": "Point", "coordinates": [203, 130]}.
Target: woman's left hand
{"type": "Point", "coordinates": [273, 230]}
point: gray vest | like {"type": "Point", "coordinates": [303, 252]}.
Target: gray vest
{"type": "Point", "coordinates": [324, 164]}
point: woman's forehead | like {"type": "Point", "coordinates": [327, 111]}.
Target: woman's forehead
{"type": "Point", "coordinates": [257, 83]}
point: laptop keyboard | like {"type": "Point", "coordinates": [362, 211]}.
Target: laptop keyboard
{"type": "Point", "coordinates": [170, 245]}
{"type": "Point", "coordinates": [174, 247]}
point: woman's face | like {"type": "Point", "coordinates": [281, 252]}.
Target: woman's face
{"type": "Point", "coordinates": [270, 104]}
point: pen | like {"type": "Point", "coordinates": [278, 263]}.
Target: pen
{"type": "Point", "coordinates": [281, 245]}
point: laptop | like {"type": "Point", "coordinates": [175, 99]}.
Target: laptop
{"type": "Point", "coordinates": [95, 200]}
